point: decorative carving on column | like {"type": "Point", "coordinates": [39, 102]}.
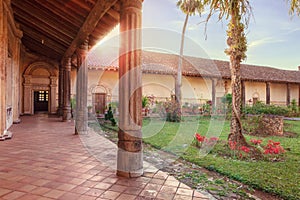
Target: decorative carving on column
{"type": "Point", "coordinates": [28, 107]}
{"type": "Point", "coordinates": [53, 85]}
{"type": "Point", "coordinates": [60, 90]}
{"type": "Point", "coordinates": [268, 93]}
{"type": "Point", "coordinates": [130, 157]}
{"type": "Point", "coordinates": [67, 90]}
{"type": "Point", "coordinates": [81, 119]}
{"type": "Point", "coordinates": [288, 94]}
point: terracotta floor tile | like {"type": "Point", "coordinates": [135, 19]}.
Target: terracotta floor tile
{"type": "Point", "coordinates": [80, 190]}
{"type": "Point", "coordinates": [186, 192]}
{"type": "Point", "coordinates": [27, 188]}
{"type": "Point", "coordinates": [94, 192]}
{"type": "Point", "coordinates": [110, 195]}
{"type": "Point", "coordinates": [4, 191]}
{"type": "Point", "coordinates": [182, 197]}
{"type": "Point", "coordinates": [149, 193]}
{"type": "Point", "coordinates": [133, 190]}
{"type": "Point", "coordinates": [118, 188]}
{"type": "Point", "coordinates": [40, 182]}
{"type": "Point", "coordinates": [126, 197]}
{"type": "Point", "coordinates": [69, 196]}
{"type": "Point", "coordinates": [165, 196]}
{"type": "Point", "coordinates": [29, 197]}
{"type": "Point", "coordinates": [45, 160]}
{"type": "Point", "coordinates": [55, 194]}
{"type": "Point", "coordinates": [13, 195]}
{"type": "Point", "coordinates": [103, 186]}
{"type": "Point", "coordinates": [168, 189]}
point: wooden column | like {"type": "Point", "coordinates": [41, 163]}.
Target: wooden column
{"type": "Point", "coordinates": [243, 94]}
{"type": "Point", "coordinates": [3, 58]}
{"type": "Point", "coordinates": [81, 119]}
{"type": "Point", "coordinates": [288, 94]}
{"type": "Point", "coordinates": [53, 87]}
{"type": "Point", "coordinates": [16, 71]}
{"type": "Point", "coordinates": [60, 91]}
{"type": "Point", "coordinates": [130, 156]}
{"type": "Point", "coordinates": [67, 90]}
{"type": "Point", "coordinates": [268, 93]}
{"type": "Point", "coordinates": [213, 93]}
{"type": "Point", "coordinates": [299, 96]}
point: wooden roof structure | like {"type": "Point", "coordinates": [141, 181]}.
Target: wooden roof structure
{"type": "Point", "coordinates": [164, 63]}
{"type": "Point", "coordinates": [55, 28]}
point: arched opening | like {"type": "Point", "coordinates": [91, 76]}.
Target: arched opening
{"type": "Point", "coordinates": [40, 85]}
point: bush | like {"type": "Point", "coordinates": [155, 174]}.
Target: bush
{"type": "Point", "coordinates": [261, 108]}
{"type": "Point", "coordinates": [173, 111]}
{"type": "Point", "coordinates": [110, 116]}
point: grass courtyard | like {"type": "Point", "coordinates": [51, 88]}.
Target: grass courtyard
{"type": "Point", "coordinates": [279, 177]}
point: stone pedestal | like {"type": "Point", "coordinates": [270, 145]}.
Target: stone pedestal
{"type": "Point", "coordinates": [130, 157]}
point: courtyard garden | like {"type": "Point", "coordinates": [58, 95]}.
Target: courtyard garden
{"type": "Point", "coordinates": [276, 172]}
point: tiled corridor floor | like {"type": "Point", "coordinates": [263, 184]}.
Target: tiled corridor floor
{"type": "Point", "coordinates": [45, 160]}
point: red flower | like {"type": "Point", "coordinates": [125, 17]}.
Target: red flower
{"type": "Point", "coordinates": [214, 139]}
{"type": "Point", "coordinates": [232, 145]}
{"type": "Point", "coordinates": [256, 142]}
{"type": "Point", "coordinates": [245, 149]}
{"type": "Point", "coordinates": [199, 137]}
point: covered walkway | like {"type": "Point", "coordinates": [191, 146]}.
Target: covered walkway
{"type": "Point", "coordinates": [45, 160]}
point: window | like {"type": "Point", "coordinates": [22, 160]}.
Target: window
{"type": "Point", "coordinates": [43, 96]}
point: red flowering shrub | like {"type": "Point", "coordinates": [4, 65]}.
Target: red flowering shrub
{"type": "Point", "coordinates": [245, 149]}
{"type": "Point", "coordinates": [201, 139]}
{"type": "Point", "coordinates": [273, 148]}
{"type": "Point", "coordinates": [256, 142]}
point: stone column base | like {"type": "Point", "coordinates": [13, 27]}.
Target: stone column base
{"type": "Point", "coordinates": [6, 136]}
{"type": "Point", "coordinates": [130, 164]}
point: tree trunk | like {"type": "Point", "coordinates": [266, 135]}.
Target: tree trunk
{"type": "Point", "coordinates": [178, 79]}
{"type": "Point", "coordinates": [236, 125]}
{"type": "Point", "coordinates": [235, 33]}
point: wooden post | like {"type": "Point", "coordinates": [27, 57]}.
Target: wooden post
{"type": "Point", "coordinates": [268, 93]}
{"type": "Point", "coordinates": [67, 90]}
{"type": "Point", "coordinates": [213, 93]}
{"type": "Point", "coordinates": [16, 71]}
{"type": "Point", "coordinates": [130, 156]}
{"type": "Point", "coordinates": [81, 119]}
{"type": "Point", "coordinates": [299, 96]}
{"type": "Point", "coordinates": [60, 91]}
{"type": "Point", "coordinates": [288, 94]}
{"type": "Point", "coordinates": [3, 58]}
{"type": "Point", "coordinates": [243, 94]}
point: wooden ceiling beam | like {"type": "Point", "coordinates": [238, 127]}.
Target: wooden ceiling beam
{"type": "Point", "coordinates": [37, 48]}
{"type": "Point", "coordinates": [114, 14]}
{"type": "Point", "coordinates": [45, 18]}
{"type": "Point", "coordinates": [27, 20]}
{"type": "Point", "coordinates": [61, 12]}
{"type": "Point", "coordinates": [98, 11]}
{"type": "Point", "coordinates": [44, 40]}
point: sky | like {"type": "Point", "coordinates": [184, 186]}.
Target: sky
{"type": "Point", "coordinates": [273, 35]}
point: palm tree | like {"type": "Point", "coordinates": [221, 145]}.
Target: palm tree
{"type": "Point", "coordinates": [188, 7]}
{"type": "Point", "coordinates": [295, 7]}
{"type": "Point", "coordinates": [238, 13]}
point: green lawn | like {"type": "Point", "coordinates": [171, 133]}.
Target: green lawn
{"type": "Point", "coordinates": [281, 178]}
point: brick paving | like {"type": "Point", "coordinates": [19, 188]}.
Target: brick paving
{"type": "Point", "coordinates": [45, 160]}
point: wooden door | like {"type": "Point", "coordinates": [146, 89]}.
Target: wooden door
{"type": "Point", "coordinates": [41, 101]}
{"type": "Point", "coordinates": [99, 102]}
